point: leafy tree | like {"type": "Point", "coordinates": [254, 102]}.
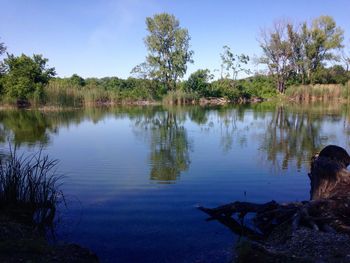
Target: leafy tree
{"type": "Point", "coordinates": [75, 79]}
{"type": "Point", "coordinates": [2, 69]}
{"type": "Point", "coordinates": [297, 58]}
{"type": "Point", "coordinates": [345, 58]}
{"type": "Point", "coordinates": [2, 48]}
{"type": "Point", "coordinates": [333, 75]}
{"type": "Point", "coordinates": [277, 53]}
{"type": "Point", "coordinates": [199, 82]}
{"type": "Point", "coordinates": [233, 62]}
{"type": "Point", "coordinates": [319, 41]}
{"type": "Point", "coordinates": [2, 51]}
{"type": "Point", "coordinates": [25, 76]}
{"type": "Point", "coordinates": [300, 54]}
{"type": "Point", "coordinates": [168, 50]}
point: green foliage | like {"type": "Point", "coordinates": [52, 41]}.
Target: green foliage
{"type": "Point", "coordinates": [77, 80]}
{"type": "Point", "coordinates": [179, 97]}
{"type": "Point", "coordinates": [2, 48]}
{"type": "Point", "coordinates": [319, 40]}
{"type": "Point", "coordinates": [168, 47]}
{"type": "Point", "coordinates": [2, 51]}
{"type": "Point", "coordinates": [226, 88]}
{"type": "Point", "coordinates": [25, 76]}
{"type": "Point", "coordinates": [277, 53]}
{"type": "Point", "coordinates": [301, 53]}
{"type": "Point", "coordinates": [259, 86]}
{"type": "Point", "coordinates": [233, 62]}
{"type": "Point", "coordinates": [199, 82]}
{"type": "Point", "coordinates": [333, 75]}
{"type": "Point", "coordinates": [65, 92]}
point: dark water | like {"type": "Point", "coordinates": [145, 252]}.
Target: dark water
{"type": "Point", "coordinates": [134, 175]}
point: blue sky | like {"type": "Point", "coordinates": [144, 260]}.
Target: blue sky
{"type": "Point", "coordinates": [96, 38]}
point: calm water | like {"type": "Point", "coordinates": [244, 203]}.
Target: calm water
{"type": "Point", "coordinates": [134, 175]}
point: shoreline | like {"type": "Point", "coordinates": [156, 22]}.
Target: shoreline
{"type": "Point", "coordinates": [20, 242]}
{"type": "Point", "coordinates": [211, 101]}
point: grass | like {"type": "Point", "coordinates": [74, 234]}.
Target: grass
{"type": "Point", "coordinates": [65, 94]}
{"type": "Point", "coordinates": [29, 188]}
{"type": "Point", "coordinates": [179, 97]}
{"type": "Point", "coordinates": [322, 92]}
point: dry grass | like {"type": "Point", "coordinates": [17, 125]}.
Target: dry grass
{"type": "Point", "coordinates": [321, 92]}
{"type": "Point", "coordinates": [179, 97]}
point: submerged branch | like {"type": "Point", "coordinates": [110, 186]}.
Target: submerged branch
{"type": "Point", "coordinates": [328, 210]}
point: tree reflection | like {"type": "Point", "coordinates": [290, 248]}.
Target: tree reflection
{"type": "Point", "coordinates": [33, 127]}
{"type": "Point", "coordinates": [169, 144]}
{"type": "Point", "coordinates": [25, 127]}
{"type": "Point", "coordinates": [293, 135]}
{"type": "Point", "coordinates": [283, 133]}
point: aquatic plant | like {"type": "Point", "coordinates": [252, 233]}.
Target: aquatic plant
{"type": "Point", "coordinates": [29, 188]}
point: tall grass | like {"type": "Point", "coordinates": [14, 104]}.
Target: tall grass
{"type": "Point", "coordinates": [180, 97]}
{"type": "Point", "coordinates": [322, 92]}
{"type": "Point", "coordinates": [29, 188]}
{"type": "Point", "coordinates": [62, 94]}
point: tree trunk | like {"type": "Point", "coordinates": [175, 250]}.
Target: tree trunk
{"type": "Point", "coordinates": [327, 210]}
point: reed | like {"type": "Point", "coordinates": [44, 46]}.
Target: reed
{"type": "Point", "coordinates": [180, 97]}
{"type": "Point", "coordinates": [322, 92]}
{"type": "Point", "coordinates": [30, 188]}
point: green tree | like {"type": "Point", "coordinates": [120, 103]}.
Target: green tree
{"type": "Point", "coordinates": [2, 48]}
{"type": "Point", "coordinates": [233, 63]}
{"type": "Point", "coordinates": [2, 69]}
{"type": "Point", "coordinates": [332, 75]}
{"type": "Point", "coordinates": [168, 50]}
{"type": "Point", "coordinates": [76, 80]}
{"type": "Point", "coordinates": [297, 58]}
{"type": "Point", "coordinates": [277, 53]}
{"type": "Point", "coordinates": [199, 82]}
{"type": "Point", "coordinates": [25, 76]}
{"type": "Point", "coordinates": [300, 53]}
{"type": "Point", "coordinates": [345, 58]}
{"type": "Point", "coordinates": [320, 40]}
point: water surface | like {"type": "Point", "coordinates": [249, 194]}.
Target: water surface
{"type": "Point", "coordinates": [134, 175]}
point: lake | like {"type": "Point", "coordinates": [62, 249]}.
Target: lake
{"type": "Point", "coordinates": [133, 176]}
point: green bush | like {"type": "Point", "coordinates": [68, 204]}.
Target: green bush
{"type": "Point", "coordinates": [198, 82]}
{"type": "Point", "coordinates": [24, 77]}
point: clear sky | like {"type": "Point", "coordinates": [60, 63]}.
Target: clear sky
{"type": "Point", "coordinates": [97, 38]}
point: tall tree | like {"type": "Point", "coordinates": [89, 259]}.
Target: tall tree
{"type": "Point", "coordinates": [345, 58]}
{"type": "Point", "coordinates": [168, 49]}
{"type": "Point", "coordinates": [297, 58]}
{"type": "Point", "coordinates": [233, 63]}
{"type": "Point", "coordinates": [320, 40]}
{"type": "Point", "coordinates": [300, 52]}
{"type": "Point", "coordinates": [2, 48]}
{"type": "Point", "coordinates": [277, 53]}
{"type": "Point", "coordinates": [2, 51]}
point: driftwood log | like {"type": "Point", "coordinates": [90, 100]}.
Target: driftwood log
{"type": "Point", "coordinates": [327, 211]}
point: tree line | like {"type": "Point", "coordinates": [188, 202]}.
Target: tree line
{"type": "Point", "coordinates": [304, 53]}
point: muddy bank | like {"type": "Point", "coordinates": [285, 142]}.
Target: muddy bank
{"type": "Point", "coordinates": [23, 243]}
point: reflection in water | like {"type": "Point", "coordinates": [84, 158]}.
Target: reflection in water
{"type": "Point", "coordinates": [293, 135]}
{"type": "Point", "coordinates": [286, 133]}
{"type": "Point", "coordinates": [169, 145]}
{"type": "Point", "coordinates": [112, 157]}
{"type": "Point", "coordinates": [33, 127]}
